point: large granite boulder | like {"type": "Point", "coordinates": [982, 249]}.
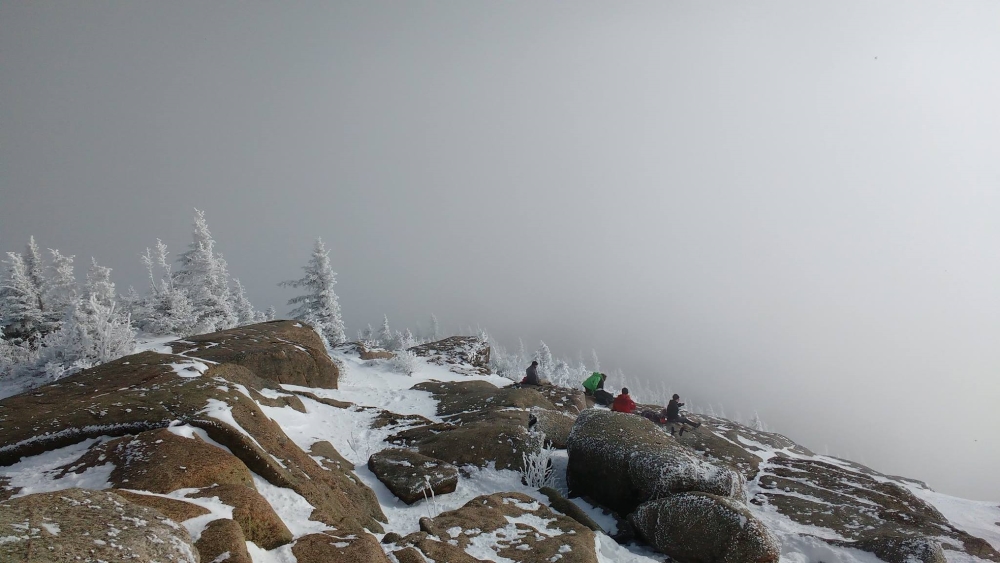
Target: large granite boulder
{"type": "Point", "coordinates": [280, 351]}
{"type": "Point", "coordinates": [512, 526]}
{"type": "Point", "coordinates": [623, 460]}
{"type": "Point", "coordinates": [704, 528]}
{"type": "Point", "coordinates": [412, 476]}
{"type": "Point", "coordinates": [82, 525]}
{"type": "Point", "coordinates": [333, 547]}
{"type": "Point", "coordinates": [465, 355]}
{"type": "Point", "coordinates": [556, 426]}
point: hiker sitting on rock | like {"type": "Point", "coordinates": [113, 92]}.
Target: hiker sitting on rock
{"type": "Point", "coordinates": [593, 383]}
{"type": "Point", "coordinates": [623, 403]}
{"type": "Point", "coordinates": [531, 375]}
{"type": "Point", "coordinates": [673, 414]}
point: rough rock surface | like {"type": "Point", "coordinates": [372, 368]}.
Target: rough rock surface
{"type": "Point", "coordinates": [412, 476]}
{"type": "Point", "coordinates": [483, 424]}
{"type": "Point", "coordinates": [220, 537]}
{"type": "Point", "coordinates": [77, 524]}
{"type": "Point", "coordinates": [510, 525]}
{"type": "Point", "coordinates": [331, 548]}
{"type": "Point", "coordinates": [704, 528]}
{"type": "Point", "coordinates": [901, 549]}
{"type": "Point", "coordinates": [281, 351]}
{"type": "Point", "coordinates": [859, 504]}
{"type": "Point", "coordinates": [567, 507]}
{"type": "Point", "coordinates": [623, 460]}
{"type": "Point", "coordinates": [555, 425]}
{"type": "Point", "coordinates": [253, 514]}
{"type": "Point", "coordinates": [458, 352]}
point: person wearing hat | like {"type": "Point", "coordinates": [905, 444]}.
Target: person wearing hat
{"type": "Point", "coordinates": [623, 403]}
{"type": "Point", "coordinates": [673, 414]}
{"type": "Point", "coordinates": [531, 375]}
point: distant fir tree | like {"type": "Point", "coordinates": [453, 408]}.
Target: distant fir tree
{"type": "Point", "coordinates": [594, 359]}
{"type": "Point", "coordinates": [560, 374]}
{"type": "Point", "coordinates": [545, 364]}
{"type": "Point", "coordinates": [245, 312]}
{"type": "Point", "coordinates": [59, 290]}
{"type": "Point", "coordinates": [20, 304]}
{"type": "Point", "coordinates": [204, 277]}
{"type": "Point", "coordinates": [167, 309]}
{"type": "Point", "coordinates": [319, 307]}
{"type": "Point", "coordinates": [270, 314]}
{"type": "Point", "coordinates": [385, 337]}
{"type": "Point", "coordinates": [435, 328]}
{"type": "Point", "coordinates": [406, 340]}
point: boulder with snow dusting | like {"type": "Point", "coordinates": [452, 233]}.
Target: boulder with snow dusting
{"type": "Point", "coordinates": [280, 351]}
{"type": "Point", "coordinates": [704, 528]}
{"type": "Point", "coordinates": [82, 525]}
{"type": "Point", "coordinates": [330, 547]}
{"type": "Point", "coordinates": [623, 460]}
{"type": "Point", "coordinates": [512, 526]}
{"type": "Point", "coordinates": [466, 355]}
{"type": "Point", "coordinates": [412, 476]}
{"type": "Point", "coordinates": [556, 426]}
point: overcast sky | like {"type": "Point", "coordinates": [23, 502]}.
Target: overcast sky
{"type": "Point", "coordinates": [787, 207]}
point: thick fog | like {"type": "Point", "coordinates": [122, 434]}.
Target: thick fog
{"type": "Point", "coordinates": [782, 207]}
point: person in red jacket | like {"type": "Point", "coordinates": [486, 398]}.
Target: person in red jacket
{"type": "Point", "coordinates": [623, 403]}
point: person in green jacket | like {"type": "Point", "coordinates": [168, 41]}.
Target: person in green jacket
{"type": "Point", "coordinates": [594, 382]}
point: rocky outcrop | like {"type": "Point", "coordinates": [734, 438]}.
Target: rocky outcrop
{"type": "Point", "coordinates": [280, 351]}
{"type": "Point", "coordinates": [412, 476]}
{"type": "Point", "coordinates": [567, 507]}
{"type": "Point", "coordinates": [218, 433]}
{"type": "Point", "coordinates": [333, 548]}
{"type": "Point", "coordinates": [704, 528]}
{"type": "Point", "coordinates": [874, 512]}
{"type": "Point", "coordinates": [555, 425]}
{"type": "Point", "coordinates": [623, 460]}
{"type": "Point", "coordinates": [77, 524]}
{"type": "Point", "coordinates": [223, 537]}
{"type": "Point", "coordinates": [509, 525]}
{"type": "Point", "coordinates": [466, 355]}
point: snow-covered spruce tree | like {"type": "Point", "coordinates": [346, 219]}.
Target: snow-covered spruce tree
{"type": "Point", "coordinates": [245, 312]}
{"type": "Point", "coordinates": [407, 340]}
{"type": "Point", "coordinates": [59, 290]}
{"type": "Point", "coordinates": [20, 305]}
{"type": "Point", "coordinates": [756, 423]}
{"type": "Point", "coordinates": [435, 328]}
{"type": "Point", "coordinates": [545, 364]}
{"type": "Point", "coordinates": [204, 277]}
{"type": "Point", "coordinates": [270, 314]}
{"type": "Point", "coordinates": [595, 360]}
{"type": "Point", "coordinates": [385, 336]}
{"type": "Point", "coordinates": [320, 307]}
{"type": "Point", "coordinates": [94, 332]}
{"type": "Point", "coordinates": [167, 309]}
{"type": "Point", "coordinates": [561, 374]}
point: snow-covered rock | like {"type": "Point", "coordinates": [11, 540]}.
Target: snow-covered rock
{"type": "Point", "coordinates": [467, 355]}
{"type": "Point", "coordinates": [623, 460]}
{"type": "Point", "coordinates": [77, 524]}
{"type": "Point", "coordinates": [412, 476]}
{"type": "Point", "coordinates": [704, 528]}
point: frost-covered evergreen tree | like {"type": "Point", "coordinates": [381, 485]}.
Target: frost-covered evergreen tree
{"type": "Point", "coordinates": [244, 309]}
{"type": "Point", "coordinates": [406, 340]}
{"type": "Point", "coordinates": [204, 277]}
{"type": "Point", "coordinates": [385, 336]}
{"type": "Point", "coordinates": [545, 364]}
{"type": "Point", "coordinates": [319, 307]}
{"type": "Point", "coordinates": [756, 423]}
{"type": "Point", "coordinates": [561, 374]}
{"type": "Point", "coordinates": [34, 267]}
{"type": "Point", "coordinates": [20, 309]}
{"type": "Point", "coordinates": [59, 290]}
{"type": "Point", "coordinates": [435, 328]}
{"type": "Point", "coordinates": [595, 360]}
{"type": "Point", "coordinates": [167, 309]}
{"type": "Point", "coordinates": [94, 332]}
{"type": "Point", "coordinates": [270, 314]}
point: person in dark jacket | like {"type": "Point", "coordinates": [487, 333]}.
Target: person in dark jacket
{"type": "Point", "coordinates": [531, 375]}
{"type": "Point", "coordinates": [623, 403]}
{"type": "Point", "coordinates": [673, 414]}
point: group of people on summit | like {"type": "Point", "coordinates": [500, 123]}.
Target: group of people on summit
{"type": "Point", "coordinates": [593, 386]}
